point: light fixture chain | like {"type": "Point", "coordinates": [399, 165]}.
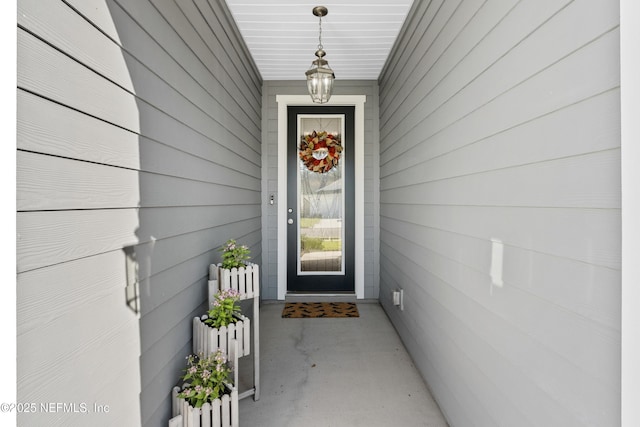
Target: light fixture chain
{"type": "Point", "coordinates": [320, 35]}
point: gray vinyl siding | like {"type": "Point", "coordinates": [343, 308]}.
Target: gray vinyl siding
{"type": "Point", "coordinates": [500, 120]}
{"type": "Point", "coordinates": [270, 178]}
{"type": "Point", "coordinates": [139, 154]}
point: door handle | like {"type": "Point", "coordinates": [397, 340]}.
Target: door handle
{"type": "Point", "coordinates": [290, 221]}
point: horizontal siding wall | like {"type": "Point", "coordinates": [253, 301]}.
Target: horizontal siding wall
{"type": "Point", "coordinates": [500, 120]}
{"type": "Point", "coordinates": [270, 178]}
{"type": "Point", "coordinates": [139, 154]}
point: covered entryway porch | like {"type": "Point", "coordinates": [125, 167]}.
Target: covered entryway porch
{"type": "Point", "coordinates": [499, 175]}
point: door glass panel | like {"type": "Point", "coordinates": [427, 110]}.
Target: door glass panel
{"type": "Point", "coordinates": [320, 195]}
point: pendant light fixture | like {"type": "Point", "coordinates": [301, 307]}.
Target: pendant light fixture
{"type": "Point", "coordinates": [320, 77]}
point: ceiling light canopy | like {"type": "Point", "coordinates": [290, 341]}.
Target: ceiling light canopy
{"type": "Point", "coordinates": [320, 77]}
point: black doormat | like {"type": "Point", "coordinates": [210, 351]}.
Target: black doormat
{"type": "Point", "coordinates": [320, 309]}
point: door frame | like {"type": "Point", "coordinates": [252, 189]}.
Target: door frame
{"type": "Point", "coordinates": [356, 101]}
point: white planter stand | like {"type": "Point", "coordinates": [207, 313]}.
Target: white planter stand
{"type": "Point", "coordinates": [207, 339]}
{"type": "Point", "coordinates": [222, 412]}
{"type": "Point", "coordinates": [246, 281]}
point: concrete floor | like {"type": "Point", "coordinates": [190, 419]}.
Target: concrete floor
{"type": "Point", "coordinates": [335, 373]}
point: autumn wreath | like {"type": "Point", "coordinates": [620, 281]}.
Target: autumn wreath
{"type": "Point", "coordinates": [320, 151]}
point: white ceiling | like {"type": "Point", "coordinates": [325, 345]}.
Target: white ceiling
{"type": "Point", "coordinates": [282, 35]}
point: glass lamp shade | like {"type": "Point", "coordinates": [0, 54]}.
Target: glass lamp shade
{"type": "Point", "coordinates": [320, 80]}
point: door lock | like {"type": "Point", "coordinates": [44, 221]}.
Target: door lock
{"type": "Point", "coordinates": [290, 221]}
